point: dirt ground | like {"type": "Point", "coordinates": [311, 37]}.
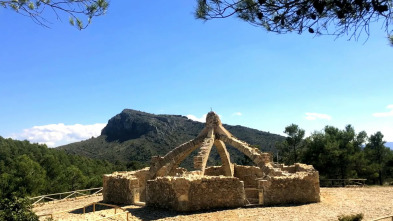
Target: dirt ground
{"type": "Point", "coordinates": [373, 202]}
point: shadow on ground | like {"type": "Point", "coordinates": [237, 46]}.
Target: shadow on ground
{"type": "Point", "coordinates": [89, 209]}
{"type": "Point", "coordinates": [151, 213]}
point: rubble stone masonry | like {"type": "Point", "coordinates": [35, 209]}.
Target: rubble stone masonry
{"type": "Point", "coordinates": [195, 193]}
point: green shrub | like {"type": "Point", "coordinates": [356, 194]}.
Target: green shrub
{"type": "Point", "coordinates": [16, 208]}
{"type": "Point", "coordinates": [353, 217]}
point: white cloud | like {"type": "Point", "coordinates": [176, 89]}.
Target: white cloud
{"type": "Point", "coordinates": [388, 133]}
{"type": "Point", "coordinates": [55, 135]}
{"type": "Point", "coordinates": [315, 116]}
{"type": "Point", "coordinates": [385, 114]}
{"type": "Point", "coordinates": [194, 118]}
{"type": "Point", "coordinates": [237, 114]}
{"type": "Point", "coordinates": [386, 130]}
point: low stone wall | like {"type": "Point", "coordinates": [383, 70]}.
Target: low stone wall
{"type": "Point", "coordinates": [297, 167]}
{"type": "Point", "coordinates": [120, 188]}
{"type": "Point", "coordinates": [195, 193]}
{"type": "Point", "coordinates": [142, 176]}
{"type": "Point", "coordinates": [300, 186]}
{"type": "Point", "coordinates": [125, 187]}
{"type": "Point", "coordinates": [214, 171]}
{"type": "Point", "coordinates": [248, 174]}
{"type": "Point", "coordinates": [274, 184]}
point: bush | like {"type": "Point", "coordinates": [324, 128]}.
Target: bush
{"type": "Point", "coordinates": [353, 217]}
{"type": "Point", "coordinates": [16, 208]}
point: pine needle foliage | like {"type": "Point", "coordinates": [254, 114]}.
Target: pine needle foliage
{"type": "Point", "coordinates": [318, 17]}
{"type": "Point", "coordinates": [75, 9]}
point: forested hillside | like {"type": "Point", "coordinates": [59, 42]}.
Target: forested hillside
{"type": "Point", "coordinates": [135, 136]}
{"type": "Point", "coordinates": [28, 169]}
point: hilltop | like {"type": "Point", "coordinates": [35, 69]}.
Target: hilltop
{"type": "Point", "coordinates": [135, 136]}
{"type": "Point", "coordinates": [373, 202]}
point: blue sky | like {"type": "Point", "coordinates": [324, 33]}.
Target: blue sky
{"type": "Point", "coordinates": [61, 85]}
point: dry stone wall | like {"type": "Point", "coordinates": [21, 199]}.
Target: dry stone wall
{"type": "Point", "coordinates": [248, 174]}
{"type": "Point", "coordinates": [142, 176]}
{"type": "Point", "coordinates": [195, 193]}
{"type": "Point", "coordinates": [120, 188]}
{"type": "Point", "coordinates": [125, 187]}
{"type": "Point", "coordinates": [296, 185]}
{"type": "Point", "coordinates": [214, 171]}
{"type": "Point", "coordinates": [275, 184]}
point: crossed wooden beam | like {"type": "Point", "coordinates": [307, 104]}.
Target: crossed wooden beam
{"type": "Point", "coordinates": [213, 134]}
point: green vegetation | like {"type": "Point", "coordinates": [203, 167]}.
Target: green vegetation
{"type": "Point", "coordinates": [28, 170]}
{"type": "Point", "coordinates": [16, 208]}
{"type": "Point", "coordinates": [353, 217]}
{"type": "Point", "coordinates": [289, 148]}
{"type": "Point", "coordinates": [342, 154]}
{"type": "Point", "coordinates": [32, 169]}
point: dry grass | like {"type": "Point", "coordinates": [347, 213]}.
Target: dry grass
{"type": "Point", "coordinates": [373, 202]}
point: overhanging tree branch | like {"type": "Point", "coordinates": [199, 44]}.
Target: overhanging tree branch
{"type": "Point", "coordinates": [75, 9]}
{"type": "Point", "coordinates": [319, 17]}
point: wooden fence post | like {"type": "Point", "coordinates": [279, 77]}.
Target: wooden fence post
{"type": "Point", "coordinates": [94, 207]}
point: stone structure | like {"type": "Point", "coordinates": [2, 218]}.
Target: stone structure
{"type": "Point", "coordinates": [164, 184]}
{"type": "Point", "coordinates": [195, 193]}
{"type": "Point", "coordinates": [125, 187]}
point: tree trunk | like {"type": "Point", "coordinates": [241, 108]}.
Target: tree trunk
{"type": "Point", "coordinates": [294, 153]}
{"type": "Point", "coordinates": [380, 177]}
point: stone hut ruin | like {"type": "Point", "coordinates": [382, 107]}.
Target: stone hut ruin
{"type": "Point", "coordinates": [166, 185]}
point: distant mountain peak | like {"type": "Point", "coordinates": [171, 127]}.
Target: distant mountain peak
{"type": "Point", "coordinates": [132, 124]}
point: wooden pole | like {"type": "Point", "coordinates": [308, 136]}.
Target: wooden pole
{"type": "Point", "coordinates": [94, 207]}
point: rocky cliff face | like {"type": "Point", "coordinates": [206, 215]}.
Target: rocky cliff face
{"type": "Point", "coordinates": [136, 136]}
{"type": "Point", "coordinates": [131, 124]}
{"type": "Point", "coordinates": [161, 129]}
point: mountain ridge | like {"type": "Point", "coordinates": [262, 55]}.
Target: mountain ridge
{"type": "Point", "coordinates": [136, 136]}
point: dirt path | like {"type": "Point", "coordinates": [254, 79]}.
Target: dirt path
{"type": "Point", "coordinates": [373, 202]}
